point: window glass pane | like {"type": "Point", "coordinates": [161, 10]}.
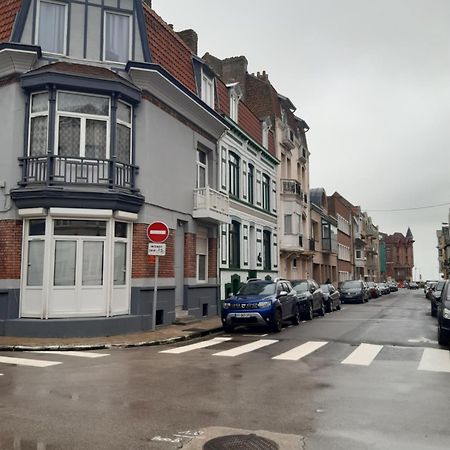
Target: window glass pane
{"type": "Point", "coordinates": [202, 267]}
{"type": "Point", "coordinates": [83, 104]}
{"type": "Point", "coordinates": [79, 227]}
{"type": "Point", "coordinates": [95, 146]}
{"type": "Point", "coordinates": [92, 263]}
{"type": "Point", "coordinates": [37, 227]}
{"type": "Point", "coordinates": [123, 143]}
{"type": "Point", "coordinates": [201, 181]}
{"type": "Point", "coordinates": [121, 229]}
{"type": "Point", "coordinates": [120, 263]}
{"type": "Point", "coordinates": [117, 37]}
{"type": "Point", "coordinates": [65, 261]}
{"type": "Point", "coordinates": [52, 17]}
{"type": "Point", "coordinates": [39, 103]}
{"type": "Point", "coordinates": [201, 156]}
{"type": "Point", "coordinates": [35, 268]}
{"type": "Point", "coordinates": [124, 112]}
{"type": "Point", "coordinates": [38, 136]}
{"type": "Point", "coordinates": [69, 136]}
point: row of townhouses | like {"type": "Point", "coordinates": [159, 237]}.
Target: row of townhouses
{"type": "Point", "coordinates": [110, 121]}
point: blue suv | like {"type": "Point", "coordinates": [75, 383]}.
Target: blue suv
{"type": "Point", "coordinates": [261, 302]}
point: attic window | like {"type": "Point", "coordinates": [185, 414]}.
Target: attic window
{"type": "Point", "coordinates": [235, 96]}
{"type": "Point", "coordinates": [207, 93]}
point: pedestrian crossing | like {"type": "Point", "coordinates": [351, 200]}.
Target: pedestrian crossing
{"type": "Point", "coordinates": [364, 355]}
{"type": "Point", "coordinates": [43, 363]}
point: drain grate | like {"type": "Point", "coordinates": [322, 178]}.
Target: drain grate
{"type": "Point", "coordinates": [241, 442]}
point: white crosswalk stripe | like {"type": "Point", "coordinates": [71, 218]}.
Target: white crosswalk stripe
{"type": "Point", "coordinates": [205, 344]}
{"type": "Point", "coordinates": [301, 351]}
{"type": "Point", "coordinates": [363, 355]}
{"type": "Point", "coordinates": [435, 360]}
{"type": "Point", "coordinates": [27, 362]}
{"type": "Point", "coordinates": [246, 348]}
{"type": "Point", "coordinates": [73, 353]}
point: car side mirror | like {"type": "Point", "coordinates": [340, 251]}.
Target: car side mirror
{"type": "Point", "coordinates": [283, 294]}
{"type": "Point", "coordinates": [230, 295]}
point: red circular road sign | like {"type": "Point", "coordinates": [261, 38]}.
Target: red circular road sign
{"type": "Point", "coordinates": [158, 232]}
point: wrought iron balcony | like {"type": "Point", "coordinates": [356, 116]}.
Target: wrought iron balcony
{"type": "Point", "coordinates": [51, 170]}
{"type": "Point", "coordinates": [211, 205]}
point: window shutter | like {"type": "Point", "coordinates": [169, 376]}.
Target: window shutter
{"type": "Point", "coordinates": [274, 196]}
{"type": "Point", "coordinates": [258, 188]}
{"type": "Point", "coordinates": [259, 248]}
{"type": "Point", "coordinates": [245, 245]}
{"type": "Point", "coordinates": [224, 245]}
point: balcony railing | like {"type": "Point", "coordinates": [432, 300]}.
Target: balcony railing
{"type": "Point", "coordinates": [211, 204]}
{"type": "Point", "coordinates": [291, 187]}
{"type": "Point", "coordinates": [53, 170]}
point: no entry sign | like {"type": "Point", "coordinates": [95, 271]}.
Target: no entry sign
{"type": "Point", "coordinates": [158, 232]}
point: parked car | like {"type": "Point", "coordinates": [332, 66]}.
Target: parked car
{"type": "Point", "coordinates": [261, 302]}
{"type": "Point", "coordinates": [443, 316]}
{"type": "Point", "coordinates": [310, 298]}
{"type": "Point", "coordinates": [384, 288]}
{"type": "Point", "coordinates": [436, 296]}
{"type": "Point", "coordinates": [413, 285]}
{"type": "Point", "coordinates": [373, 290]}
{"type": "Point", "coordinates": [430, 289]}
{"type": "Point", "coordinates": [393, 286]}
{"type": "Point", "coordinates": [427, 285]}
{"type": "Point", "coordinates": [353, 291]}
{"type": "Point", "coordinates": [331, 297]}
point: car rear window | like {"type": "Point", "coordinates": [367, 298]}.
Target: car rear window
{"type": "Point", "coordinates": [351, 284]}
{"type": "Point", "coordinates": [301, 287]}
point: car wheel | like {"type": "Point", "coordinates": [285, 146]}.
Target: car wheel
{"type": "Point", "coordinates": [277, 324]}
{"type": "Point", "coordinates": [443, 337]}
{"type": "Point", "coordinates": [322, 309]}
{"type": "Point", "coordinates": [228, 328]}
{"type": "Point", "coordinates": [296, 315]}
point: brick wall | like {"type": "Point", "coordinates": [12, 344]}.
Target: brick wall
{"type": "Point", "coordinates": [212, 258]}
{"type": "Point", "coordinates": [190, 255]}
{"type": "Point", "coordinates": [10, 249]}
{"type": "Point", "coordinates": [143, 266]}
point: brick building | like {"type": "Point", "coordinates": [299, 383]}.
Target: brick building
{"type": "Point", "coordinates": [399, 256]}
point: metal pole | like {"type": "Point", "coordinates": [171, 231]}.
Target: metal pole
{"type": "Point", "coordinates": [155, 294]}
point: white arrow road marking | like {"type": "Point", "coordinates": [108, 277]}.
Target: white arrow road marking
{"type": "Point", "coordinates": [301, 351]}
{"type": "Point", "coordinates": [71, 353]}
{"type": "Point", "coordinates": [27, 362]}
{"type": "Point", "coordinates": [191, 347]}
{"type": "Point", "coordinates": [435, 360]}
{"type": "Point", "coordinates": [363, 355]}
{"type": "Point", "coordinates": [246, 348]}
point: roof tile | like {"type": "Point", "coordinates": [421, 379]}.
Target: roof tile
{"type": "Point", "coordinates": [8, 12]}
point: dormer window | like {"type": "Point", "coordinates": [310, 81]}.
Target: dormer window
{"type": "Point", "coordinates": [235, 96]}
{"type": "Point", "coordinates": [207, 89]}
{"type": "Point", "coordinates": [117, 37]}
{"type": "Point", "coordinates": [51, 30]}
{"type": "Point", "coordinates": [265, 127]}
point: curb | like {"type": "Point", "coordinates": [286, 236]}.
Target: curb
{"type": "Point", "coordinates": [69, 347]}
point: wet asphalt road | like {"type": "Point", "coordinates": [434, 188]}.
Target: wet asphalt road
{"type": "Point", "coordinates": [144, 399]}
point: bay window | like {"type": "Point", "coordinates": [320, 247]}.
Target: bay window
{"type": "Point", "coordinates": [38, 124]}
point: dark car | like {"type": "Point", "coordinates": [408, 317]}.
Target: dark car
{"type": "Point", "coordinates": [261, 302]}
{"type": "Point", "coordinates": [384, 288]}
{"type": "Point", "coordinates": [443, 316]}
{"type": "Point", "coordinates": [310, 298]}
{"type": "Point", "coordinates": [373, 290]}
{"type": "Point", "coordinates": [331, 297]}
{"type": "Point", "coordinates": [353, 291]}
{"type": "Point", "coordinates": [393, 286]}
{"type": "Point", "coordinates": [436, 296]}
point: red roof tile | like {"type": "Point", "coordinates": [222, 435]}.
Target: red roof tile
{"type": "Point", "coordinates": [8, 12]}
{"type": "Point", "coordinates": [168, 49]}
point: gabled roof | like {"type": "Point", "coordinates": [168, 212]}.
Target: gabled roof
{"type": "Point", "coordinates": [8, 13]}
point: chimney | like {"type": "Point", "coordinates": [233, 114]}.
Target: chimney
{"type": "Point", "coordinates": [190, 38]}
{"type": "Point", "coordinates": [148, 2]}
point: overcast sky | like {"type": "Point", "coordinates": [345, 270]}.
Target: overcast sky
{"type": "Point", "coordinates": [371, 79]}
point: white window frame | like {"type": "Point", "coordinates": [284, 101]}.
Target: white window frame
{"type": "Point", "coordinates": [83, 117]}
{"type": "Point", "coordinates": [234, 105]}
{"type": "Point", "coordinates": [265, 134]}
{"type": "Point", "coordinates": [130, 37]}
{"type": "Point", "coordinates": [66, 18]}
{"type": "Point", "coordinates": [202, 235]}
{"type": "Point", "coordinates": [207, 96]}
{"type": "Point", "coordinates": [204, 166]}
{"type": "Point", "coordinates": [126, 124]}
{"type": "Point", "coordinates": [38, 114]}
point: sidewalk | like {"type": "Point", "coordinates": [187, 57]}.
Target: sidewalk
{"type": "Point", "coordinates": [163, 335]}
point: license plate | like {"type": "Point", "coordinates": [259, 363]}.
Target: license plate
{"type": "Point", "coordinates": [243, 315]}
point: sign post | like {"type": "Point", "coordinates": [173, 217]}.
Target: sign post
{"type": "Point", "coordinates": [157, 233]}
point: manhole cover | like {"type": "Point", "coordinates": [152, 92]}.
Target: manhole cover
{"type": "Point", "coordinates": [241, 442]}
